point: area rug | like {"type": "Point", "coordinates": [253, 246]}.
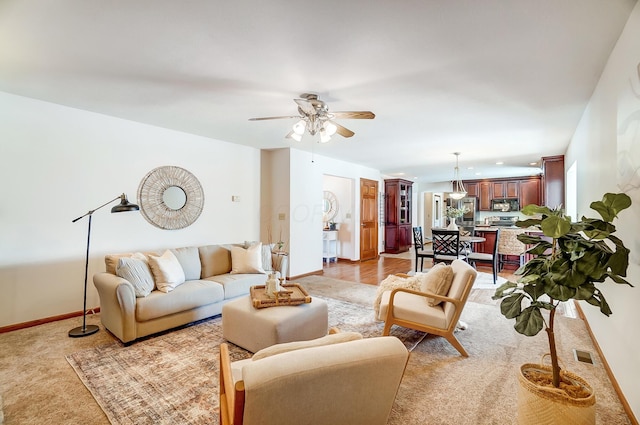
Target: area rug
{"type": "Point", "coordinates": [173, 378]}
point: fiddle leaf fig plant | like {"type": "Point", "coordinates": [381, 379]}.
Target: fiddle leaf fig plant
{"type": "Point", "coordinates": [570, 259]}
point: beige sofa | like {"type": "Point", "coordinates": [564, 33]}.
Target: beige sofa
{"type": "Point", "coordinates": [210, 279]}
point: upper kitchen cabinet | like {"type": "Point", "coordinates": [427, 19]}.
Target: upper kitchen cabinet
{"type": "Point", "coordinates": [472, 189]}
{"type": "Point", "coordinates": [553, 181]}
{"type": "Point", "coordinates": [529, 192]}
{"type": "Point", "coordinates": [485, 195]}
{"type": "Point", "coordinates": [506, 189]}
{"type": "Point", "coordinates": [525, 189]}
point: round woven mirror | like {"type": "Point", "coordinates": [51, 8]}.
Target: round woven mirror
{"type": "Point", "coordinates": [170, 197]}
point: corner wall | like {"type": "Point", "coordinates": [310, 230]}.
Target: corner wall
{"type": "Point", "coordinates": [57, 163]}
{"type": "Point", "coordinates": [606, 147]}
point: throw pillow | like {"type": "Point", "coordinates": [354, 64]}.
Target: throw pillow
{"type": "Point", "coordinates": [167, 271]}
{"type": "Point", "coordinates": [190, 261]}
{"type": "Point", "coordinates": [298, 345]}
{"type": "Point", "coordinates": [436, 281]}
{"type": "Point", "coordinates": [136, 270]}
{"type": "Point", "coordinates": [390, 283]}
{"type": "Point", "coordinates": [247, 260]}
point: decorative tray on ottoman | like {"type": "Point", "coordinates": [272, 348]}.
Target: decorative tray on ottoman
{"type": "Point", "coordinates": [291, 294]}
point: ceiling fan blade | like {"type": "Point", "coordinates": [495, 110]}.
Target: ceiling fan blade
{"type": "Point", "coordinates": [306, 106]}
{"type": "Point", "coordinates": [343, 131]}
{"type": "Point", "coordinates": [273, 118]}
{"type": "Point", "coordinates": [354, 115]}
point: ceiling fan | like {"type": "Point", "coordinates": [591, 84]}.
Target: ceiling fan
{"type": "Point", "coordinates": [316, 119]}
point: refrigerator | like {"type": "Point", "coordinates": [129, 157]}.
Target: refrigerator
{"type": "Point", "coordinates": [468, 220]}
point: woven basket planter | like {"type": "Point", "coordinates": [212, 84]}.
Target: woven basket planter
{"type": "Point", "coordinates": [540, 405]}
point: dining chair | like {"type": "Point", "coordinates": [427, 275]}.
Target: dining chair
{"type": "Point", "coordinates": [446, 246]}
{"type": "Point", "coordinates": [418, 246]}
{"type": "Point", "coordinates": [493, 258]}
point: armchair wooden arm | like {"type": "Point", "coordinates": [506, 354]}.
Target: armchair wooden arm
{"type": "Point", "coordinates": [231, 395]}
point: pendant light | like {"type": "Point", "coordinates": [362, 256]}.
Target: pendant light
{"type": "Point", "coordinates": [459, 191]}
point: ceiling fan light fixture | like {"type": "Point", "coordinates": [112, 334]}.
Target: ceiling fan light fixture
{"type": "Point", "coordinates": [330, 128]}
{"type": "Point", "coordinates": [295, 136]}
{"type": "Point", "coordinates": [299, 127]}
{"type": "Point", "coordinates": [459, 191]}
{"type": "Point", "coordinates": [324, 136]}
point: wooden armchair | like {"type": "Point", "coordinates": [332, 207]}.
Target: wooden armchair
{"type": "Point", "coordinates": [409, 308]}
{"type": "Point", "coordinates": [347, 383]}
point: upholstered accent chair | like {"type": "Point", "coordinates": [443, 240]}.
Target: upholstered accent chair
{"type": "Point", "coordinates": [430, 312]}
{"type": "Point", "coordinates": [344, 383]}
{"type": "Point", "coordinates": [418, 247]}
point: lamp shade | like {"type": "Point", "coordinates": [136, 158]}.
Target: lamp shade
{"type": "Point", "coordinates": [124, 205]}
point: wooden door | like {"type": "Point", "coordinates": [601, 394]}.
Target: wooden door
{"type": "Point", "coordinates": [368, 219]}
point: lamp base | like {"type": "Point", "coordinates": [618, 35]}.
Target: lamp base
{"type": "Point", "coordinates": [86, 331]}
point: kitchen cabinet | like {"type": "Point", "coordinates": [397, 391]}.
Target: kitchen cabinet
{"type": "Point", "coordinates": [525, 189]}
{"type": "Point", "coordinates": [472, 189]}
{"type": "Point", "coordinates": [397, 229]}
{"type": "Point", "coordinates": [485, 194]}
{"type": "Point", "coordinates": [553, 181]}
{"type": "Point", "coordinates": [486, 246]}
{"type": "Point", "coordinates": [529, 192]}
{"type": "Point", "coordinates": [506, 189]}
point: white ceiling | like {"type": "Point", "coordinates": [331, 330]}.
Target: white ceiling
{"type": "Point", "coordinates": [495, 80]}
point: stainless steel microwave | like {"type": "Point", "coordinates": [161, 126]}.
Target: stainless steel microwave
{"type": "Point", "coordinates": [505, 204]}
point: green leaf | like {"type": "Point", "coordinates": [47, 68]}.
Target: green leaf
{"type": "Point", "coordinates": [618, 279]}
{"type": "Point", "coordinates": [619, 261]}
{"type": "Point", "coordinates": [560, 292]}
{"type": "Point", "coordinates": [555, 227]}
{"type": "Point", "coordinates": [604, 306]}
{"type": "Point", "coordinates": [530, 321]}
{"type": "Point", "coordinates": [585, 292]}
{"type": "Point", "coordinates": [611, 205]}
{"type": "Point", "coordinates": [529, 239]}
{"type": "Point", "coordinates": [530, 222]}
{"type": "Point", "coordinates": [540, 249]}
{"type": "Point", "coordinates": [511, 306]}
{"type": "Point", "coordinates": [533, 209]}
{"type": "Point", "coordinates": [504, 289]}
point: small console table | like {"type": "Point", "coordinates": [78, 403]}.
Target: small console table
{"type": "Point", "coordinates": [329, 245]}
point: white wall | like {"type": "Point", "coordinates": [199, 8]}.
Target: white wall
{"type": "Point", "coordinates": [57, 163]}
{"type": "Point", "coordinates": [595, 147]}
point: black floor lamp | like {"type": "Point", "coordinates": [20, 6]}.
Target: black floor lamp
{"type": "Point", "coordinates": [124, 206]}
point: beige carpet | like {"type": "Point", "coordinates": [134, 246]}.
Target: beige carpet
{"type": "Point", "coordinates": [439, 387]}
{"type": "Point", "coordinates": [173, 378]}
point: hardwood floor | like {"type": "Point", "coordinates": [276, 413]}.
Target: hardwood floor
{"type": "Point", "coordinates": [372, 272]}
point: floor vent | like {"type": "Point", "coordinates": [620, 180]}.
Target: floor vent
{"type": "Point", "coordinates": [583, 356]}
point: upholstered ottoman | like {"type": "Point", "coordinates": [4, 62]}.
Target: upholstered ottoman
{"type": "Point", "coordinates": [255, 329]}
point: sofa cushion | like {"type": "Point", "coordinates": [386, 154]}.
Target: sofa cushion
{"type": "Point", "coordinates": [246, 260]}
{"type": "Point", "coordinates": [136, 270]}
{"type": "Point", "coordinates": [436, 281]}
{"type": "Point", "coordinates": [215, 260]}
{"type": "Point", "coordinates": [167, 271]}
{"type": "Point", "coordinates": [238, 284]}
{"type": "Point", "coordinates": [191, 294]}
{"type": "Point", "coordinates": [189, 259]}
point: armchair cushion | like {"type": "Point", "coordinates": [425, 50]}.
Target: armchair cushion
{"type": "Point", "coordinates": [436, 281]}
{"type": "Point", "coordinates": [298, 345]}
